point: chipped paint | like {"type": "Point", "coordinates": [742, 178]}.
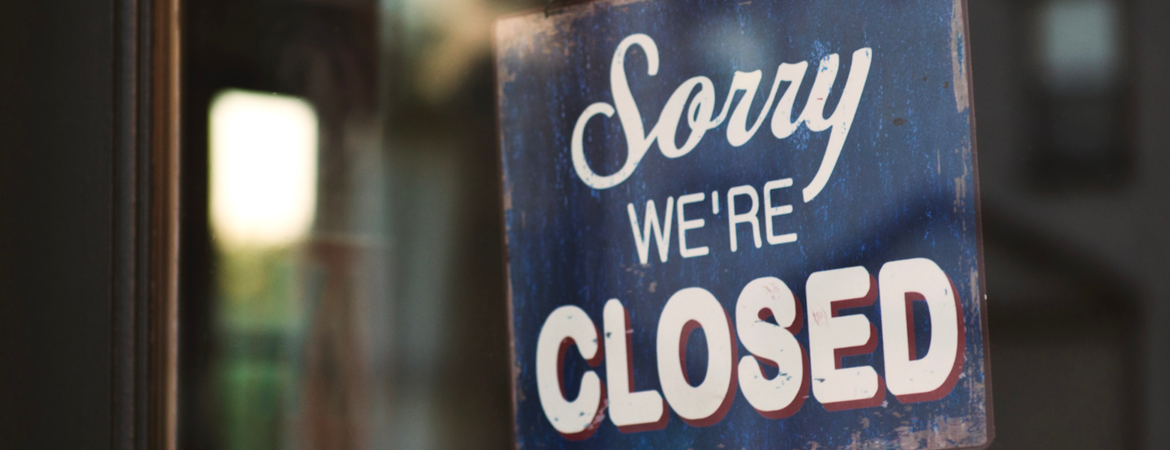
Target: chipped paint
{"type": "Point", "coordinates": [941, 433]}
{"type": "Point", "coordinates": [961, 181]}
{"type": "Point", "coordinates": [973, 284]}
{"type": "Point", "coordinates": [959, 57]}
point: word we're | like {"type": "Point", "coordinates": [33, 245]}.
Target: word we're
{"type": "Point", "coordinates": [831, 336]}
{"type": "Point", "coordinates": [660, 230]}
{"type": "Point", "coordinates": [700, 112]}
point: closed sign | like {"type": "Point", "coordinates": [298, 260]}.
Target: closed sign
{"type": "Point", "coordinates": [744, 224]}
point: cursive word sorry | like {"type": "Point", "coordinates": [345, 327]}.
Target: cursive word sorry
{"type": "Point", "coordinates": [701, 112]}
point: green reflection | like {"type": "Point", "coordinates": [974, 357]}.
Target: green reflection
{"type": "Point", "coordinates": [260, 323]}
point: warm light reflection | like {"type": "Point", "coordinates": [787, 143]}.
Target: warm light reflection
{"type": "Point", "coordinates": [263, 169]}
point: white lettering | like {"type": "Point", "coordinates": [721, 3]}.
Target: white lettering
{"type": "Point", "coordinates": [698, 117]}
{"type": "Point", "coordinates": [707, 403]}
{"type": "Point", "coordinates": [831, 337]}
{"type": "Point", "coordinates": [702, 107]}
{"type": "Point", "coordinates": [771, 211]}
{"type": "Point", "coordinates": [577, 419]}
{"type": "Point", "coordinates": [911, 379]}
{"type": "Point", "coordinates": [768, 317]}
{"type": "Point", "coordinates": [748, 82]}
{"type": "Point", "coordinates": [771, 344]}
{"type": "Point", "coordinates": [642, 241]}
{"type": "Point", "coordinates": [629, 411]}
{"type": "Point", "coordinates": [734, 218]}
{"type": "Point", "coordinates": [684, 225]}
{"type": "Point", "coordinates": [782, 124]}
{"type": "Point", "coordinates": [842, 118]}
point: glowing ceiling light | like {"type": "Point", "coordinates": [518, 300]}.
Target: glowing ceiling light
{"type": "Point", "coordinates": [263, 168]}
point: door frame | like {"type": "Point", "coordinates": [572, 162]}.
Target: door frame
{"type": "Point", "coordinates": [145, 265]}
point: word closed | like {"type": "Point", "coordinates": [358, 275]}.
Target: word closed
{"type": "Point", "coordinates": [767, 317]}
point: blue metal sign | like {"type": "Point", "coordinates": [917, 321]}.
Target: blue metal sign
{"type": "Point", "coordinates": [743, 224]}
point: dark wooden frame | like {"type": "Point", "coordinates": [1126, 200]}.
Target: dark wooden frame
{"type": "Point", "coordinates": [88, 224]}
{"type": "Point", "coordinates": [144, 382]}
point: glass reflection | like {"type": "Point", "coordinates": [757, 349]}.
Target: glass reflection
{"type": "Point", "coordinates": [349, 295]}
{"type": "Point", "coordinates": [263, 200]}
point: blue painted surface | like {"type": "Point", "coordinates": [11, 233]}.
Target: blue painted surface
{"type": "Point", "coordinates": [904, 187]}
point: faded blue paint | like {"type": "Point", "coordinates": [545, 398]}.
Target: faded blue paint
{"type": "Point", "coordinates": [904, 187]}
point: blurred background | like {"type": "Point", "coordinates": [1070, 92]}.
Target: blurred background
{"type": "Point", "coordinates": [353, 296]}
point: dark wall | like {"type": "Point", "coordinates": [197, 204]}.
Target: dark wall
{"type": "Point", "coordinates": [1078, 296]}
{"type": "Point", "coordinates": [56, 147]}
